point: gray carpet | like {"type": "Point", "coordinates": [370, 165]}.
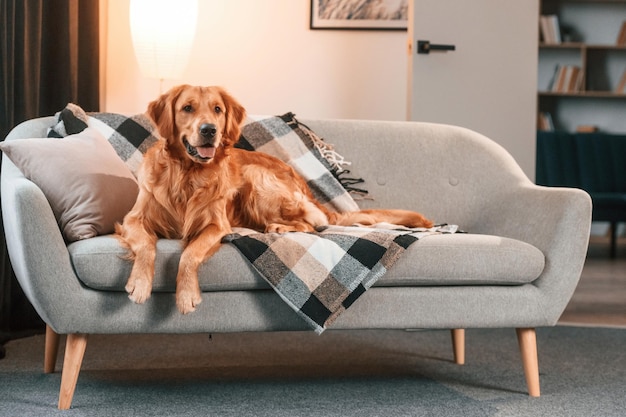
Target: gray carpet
{"type": "Point", "coordinates": [340, 373]}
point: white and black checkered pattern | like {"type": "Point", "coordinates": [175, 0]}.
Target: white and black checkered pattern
{"type": "Point", "coordinates": [285, 138]}
{"type": "Point", "coordinates": [131, 136]}
{"type": "Point", "coordinates": [321, 274]}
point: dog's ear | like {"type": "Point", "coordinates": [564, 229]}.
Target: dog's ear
{"type": "Point", "coordinates": [235, 115]}
{"type": "Point", "coordinates": [162, 111]}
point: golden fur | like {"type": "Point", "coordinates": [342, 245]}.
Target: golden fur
{"type": "Point", "coordinates": [194, 186]}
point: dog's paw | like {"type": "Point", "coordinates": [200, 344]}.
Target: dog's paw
{"type": "Point", "coordinates": [286, 228]}
{"type": "Point", "coordinates": [417, 220]}
{"type": "Point", "coordinates": [187, 300]}
{"type": "Point", "coordinates": [275, 228]}
{"type": "Point", "coordinates": [138, 290]}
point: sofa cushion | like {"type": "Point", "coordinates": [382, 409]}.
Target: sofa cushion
{"type": "Point", "coordinates": [88, 186]}
{"type": "Point", "coordinates": [450, 259]}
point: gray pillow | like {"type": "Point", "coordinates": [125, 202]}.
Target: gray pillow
{"type": "Point", "coordinates": [86, 183]}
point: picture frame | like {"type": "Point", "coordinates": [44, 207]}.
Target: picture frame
{"type": "Point", "coordinates": [359, 14]}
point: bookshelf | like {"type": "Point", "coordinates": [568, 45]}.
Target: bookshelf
{"type": "Point", "coordinates": [582, 64]}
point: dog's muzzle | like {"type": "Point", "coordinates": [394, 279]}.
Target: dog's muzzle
{"type": "Point", "coordinates": [205, 152]}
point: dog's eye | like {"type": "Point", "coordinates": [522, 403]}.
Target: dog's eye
{"type": "Point", "coordinates": [218, 109]}
{"type": "Point", "coordinates": [188, 108]}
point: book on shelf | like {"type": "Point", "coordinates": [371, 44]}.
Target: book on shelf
{"type": "Point", "coordinates": [621, 37]}
{"type": "Point", "coordinates": [544, 121]}
{"type": "Point", "coordinates": [621, 86]}
{"type": "Point", "coordinates": [567, 79]}
{"type": "Point", "coordinates": [587, 129]}
{"type": "Point", "coordinates": [550, 29]}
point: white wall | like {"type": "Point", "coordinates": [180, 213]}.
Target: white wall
{"type": "Point", "coordinates": [264, 53]}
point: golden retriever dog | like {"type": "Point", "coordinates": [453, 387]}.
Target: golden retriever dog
{"type": "Point", "coordinates": [195, 186]}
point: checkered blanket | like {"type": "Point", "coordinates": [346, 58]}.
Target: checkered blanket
{"type": "Point", "coordinates": [281, 136]}
{"type": "Point", "coordinates": [315, 160]}
{"type": "Point", "coordinates": [321, 274]}
{"type": "Point", "coordinates": [130, 136]}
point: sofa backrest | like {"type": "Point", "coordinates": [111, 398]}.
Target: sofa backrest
{"type": "Point", "coordinates": [450, 174]}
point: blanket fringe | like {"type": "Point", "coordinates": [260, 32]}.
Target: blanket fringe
{"type": "Point", "coordinates": [336, 161]}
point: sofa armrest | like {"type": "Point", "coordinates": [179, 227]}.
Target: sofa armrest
{"type": "Point", "coordinates": [555, 220]}
{"type": "Point", "coordinates": [36, 246]}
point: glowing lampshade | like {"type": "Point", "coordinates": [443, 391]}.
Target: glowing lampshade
{"type": "Point", "coordinates": [163, 32]}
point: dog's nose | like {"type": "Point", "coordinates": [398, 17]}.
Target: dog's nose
{"type": "Point", "coordinates": [208, 130]}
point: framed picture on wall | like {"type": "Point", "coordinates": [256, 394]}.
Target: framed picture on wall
{"type": "Point", "coordinates": [359, 14]}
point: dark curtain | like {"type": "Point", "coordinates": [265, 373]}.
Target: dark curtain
{"type": "Point", "coordinates": [48, 57]}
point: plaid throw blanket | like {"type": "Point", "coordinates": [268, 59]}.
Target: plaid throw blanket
{"type": "Point", "coordinates": [130, 136]}
{"type": "Point", "coordinates": [281, 136]}
{"type": "Point", "coordinates": [315, 160]}
{"type": "Point", "coordinates": [321, 274]}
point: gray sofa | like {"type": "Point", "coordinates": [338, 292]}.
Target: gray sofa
{"type": "Point", "coordinates": [516, 267]}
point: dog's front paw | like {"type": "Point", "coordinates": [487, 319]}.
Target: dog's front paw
{"type": "Point", "coordinates": [138, 290]}
{"type": "Point", "coordinates": [187, 300]}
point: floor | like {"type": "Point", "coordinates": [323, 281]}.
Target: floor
{"type": "Point", "coordinates": [600, 298]}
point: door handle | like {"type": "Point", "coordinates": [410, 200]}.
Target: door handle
{"type": "Point", "coordinates": [424, 47]}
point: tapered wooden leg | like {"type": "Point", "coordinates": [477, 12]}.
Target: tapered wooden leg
{"type": "Point", "coordinates": [527, 339]}
{"type": "Point", "coordinates": [74, 352]}
{"type": "Point", "coordinates": [51, 350]}
{"type": "Point", "coordinates": [458, 344]}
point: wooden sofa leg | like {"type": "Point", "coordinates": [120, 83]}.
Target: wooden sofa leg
{"type": "Point", "coordinates": [51, 350]}
{"type": "Point", "coordinates": [458, 344]}
{"type": "Point", "coordinates": [527, 339]}
{"type": "Point", "coordinates": [74, 352]}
